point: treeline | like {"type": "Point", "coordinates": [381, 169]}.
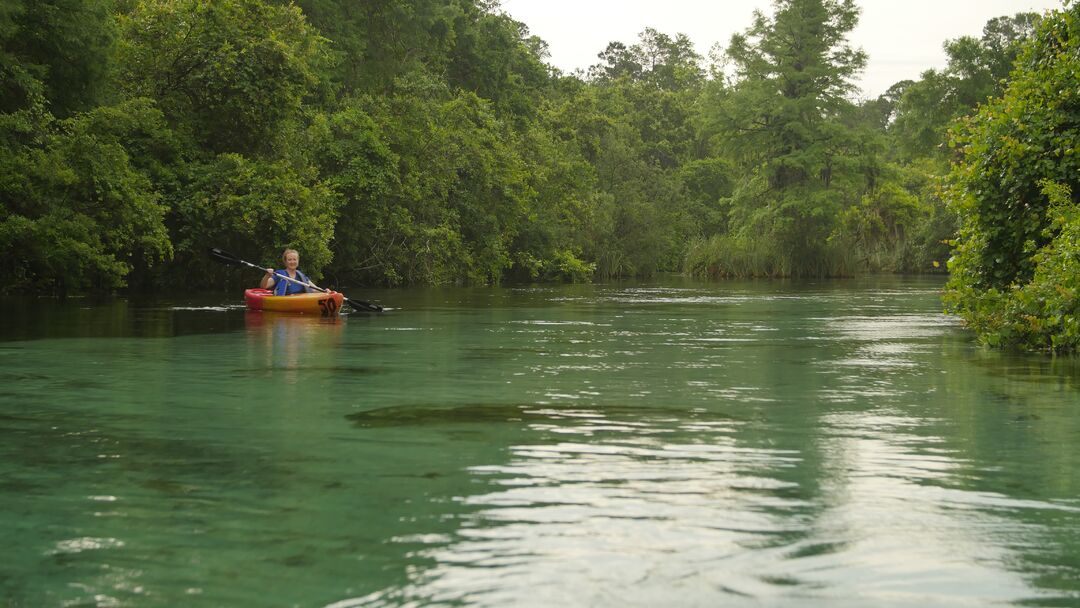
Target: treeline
{"type": "Point", "coordinates": [427, 141]}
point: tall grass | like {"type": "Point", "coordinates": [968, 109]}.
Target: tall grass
{"type": "Point", "coordinates": [742, 256]}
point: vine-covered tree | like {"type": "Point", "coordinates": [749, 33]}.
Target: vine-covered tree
{"type": "Point", "coordinates": [1017, 189]}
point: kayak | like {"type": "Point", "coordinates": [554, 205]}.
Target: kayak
{"type": "Point", "coordinates": [325, 304]}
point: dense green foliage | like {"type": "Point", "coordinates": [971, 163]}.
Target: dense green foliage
{"type": "Point", "coordinates": [427, 141]}
{"type": "Point", "coordinates": [1016, 275]}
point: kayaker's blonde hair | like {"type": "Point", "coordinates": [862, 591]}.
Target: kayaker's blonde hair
{"type": "Point", "coordinates": [285, 254]}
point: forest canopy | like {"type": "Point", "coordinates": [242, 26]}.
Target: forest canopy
{"type": "Point", "coordinates": [399, 142]}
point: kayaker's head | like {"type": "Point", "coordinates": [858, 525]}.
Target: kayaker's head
{"type": "Point", "coordinates": [291, 258]}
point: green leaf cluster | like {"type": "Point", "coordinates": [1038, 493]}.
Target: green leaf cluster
{"type": "Point", "coordinates": [1040, 314]}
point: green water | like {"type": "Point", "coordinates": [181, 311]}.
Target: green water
{"type": "Point", "coordinates": [681, 444]}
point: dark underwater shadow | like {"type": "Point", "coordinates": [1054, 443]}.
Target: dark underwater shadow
{"type": "Point", "coordinates": [485, 413]}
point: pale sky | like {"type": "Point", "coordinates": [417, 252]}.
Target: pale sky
{"type": "Point", "coordinates": [902, 37]}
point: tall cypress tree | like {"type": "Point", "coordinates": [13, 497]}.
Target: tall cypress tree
{"type": "Point", "coordinates": [784, 122]}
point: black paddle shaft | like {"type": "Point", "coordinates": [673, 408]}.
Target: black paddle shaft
{"type": "Point", "coordinates": [227, 258]}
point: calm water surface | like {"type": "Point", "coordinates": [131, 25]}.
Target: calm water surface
{"type": "Point", "coordinates": [760, 444]}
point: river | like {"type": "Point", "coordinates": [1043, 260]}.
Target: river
{"type": "Point", "coordinates": [831, 443]}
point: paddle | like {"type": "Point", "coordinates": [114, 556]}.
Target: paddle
{"type": "Point", "coordinates": [227, 258]}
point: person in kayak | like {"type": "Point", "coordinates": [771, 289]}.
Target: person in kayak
{"type": "Point", "coordinates": [280, 286]}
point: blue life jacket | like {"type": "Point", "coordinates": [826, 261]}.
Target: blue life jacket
{"type": "Point", "coordinates": [285, 287]}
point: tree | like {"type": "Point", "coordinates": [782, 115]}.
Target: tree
{"type": "Point", "coordinates": [228, 73]}
{"type": "Point", "coordinates": [432, 190]}
{"type": "Point", "coordinates": [1016, 190]}
{"type": "Point", "coordinates": [796, 68]}
{"type": "Point", "coordinates": [77, 213]}
{"type": "Point", "coordinates": [783, 123]}
{"type": "Point", "coordinates": [667, 63]}
{"type": "Point", "coordinates": [495, 58]}
{"type": "Point", "coordinates": [64, 45]}
{"type": "Point", "coordinates": [981, 65]}
{"type": "Point", "coordinates": [977, 69]}
{"type": "Point", "coordinates": [375, 42]}
{"type": "Point", "coordinates": [644, 95]}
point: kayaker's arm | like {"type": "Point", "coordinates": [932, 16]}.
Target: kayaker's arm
{"type": "Point", "coordinates": [268, 279]}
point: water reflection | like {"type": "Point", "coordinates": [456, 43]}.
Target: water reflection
{"type": "Point", "coordinates": [652, 506]}
{"type": "Point", "coordinates": [652, 498]}
{"type": "Point", "coordinates": [32, 318]}
{"type": "Point", "coordinates": [290, 342]}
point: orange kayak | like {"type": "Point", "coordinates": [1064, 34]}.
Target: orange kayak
{"type": "Point", "coordinates": [325, 304]}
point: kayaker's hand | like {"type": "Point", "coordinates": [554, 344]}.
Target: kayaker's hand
{"type": "Point", "coordinates": [269, 272]}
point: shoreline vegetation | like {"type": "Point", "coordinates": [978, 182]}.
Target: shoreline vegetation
{"type": "Point", "coordinates": [417, 142]}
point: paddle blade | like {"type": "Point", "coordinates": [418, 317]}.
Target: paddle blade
{"type": "Point", "coordinates": [220, 255]}
{"type": "Point", "coordinates": [362, 306]}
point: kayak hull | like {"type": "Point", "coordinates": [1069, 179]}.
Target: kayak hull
{"type": "Point", "coordinates": [325, 304]}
